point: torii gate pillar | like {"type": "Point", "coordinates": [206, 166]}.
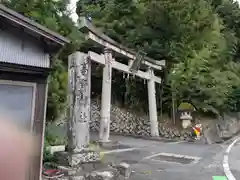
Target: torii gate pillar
{"type": "Point", "coordinates": [106, 97]}
{"type": "Point", "coordinates": [152, 104]}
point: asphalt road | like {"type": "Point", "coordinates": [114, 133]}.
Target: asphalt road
{"type": "Point", "coordinates": [234, 160]}
{"type": "Point", "coordinates": [147, 165]}
{"type": "Point", "coordinates": [154, 160]}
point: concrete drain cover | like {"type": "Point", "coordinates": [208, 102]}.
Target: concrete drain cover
{"type": "Point", "coordinates": [174, 158]}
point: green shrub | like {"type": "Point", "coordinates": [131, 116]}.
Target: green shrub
{"type": "Point", "coordinates": [52, 139]}
{"type": "Point", "coordinates": [186, 106]}
{"type": "Point", "coordinates": [47, 156]}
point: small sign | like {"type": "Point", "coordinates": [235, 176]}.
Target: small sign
{"type": "Point", "coordinates": [220, 178]}
{"type": "Point", "coordinates": [137, 62]}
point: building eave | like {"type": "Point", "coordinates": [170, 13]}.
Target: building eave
{"type": "Point", "coordinates": [32, 26]}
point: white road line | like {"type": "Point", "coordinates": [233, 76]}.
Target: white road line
{"type": "Point", "coordinates": [226, 167]}
{"type": "Point", "coordinates": [151, 156]}
{"type": "Point", "coordinates": [177, 142]}
{"type": "Point", "coordinates": [118, 150]}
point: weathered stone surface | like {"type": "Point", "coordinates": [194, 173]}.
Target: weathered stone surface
{"type": "Point", "coordinates": [129, 123]}
{"type": "Point", "coordinates": [106, 174]}
{"type": "Point", "coordinates": [78, 103]}
{"type": "Point", "coordinates": [54, 149]}
{"type": "Point", "coordinates": [77, 178]}
{"type": "Point", "coordinates": [84, 157]}
{"type": "Point", "coordinates": [124, 169]}
{"type": "Point", "coordinates": [102, 172]}
{"type": "Point", "coordinates": [83, 169]}
{"type": "Point", "coordinates": [88, 167]}
{"type": "Point", "coordinates": [222, 129]}
{"type": "Point", "coordinates": [70, 171]}
{"type": "Point", "coordinates": [229, 125]}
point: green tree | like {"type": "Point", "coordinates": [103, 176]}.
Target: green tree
{"type": "Point", "coordinates": [54, 15]}
{"type": "Point", "coordinates": [200, 40]}
{"type": "Point", "coordinates": [58, 80]}
{"type": "Point", "coordinates": [229, 11]}
{"type": "Point", "coordinates": [190, 35]}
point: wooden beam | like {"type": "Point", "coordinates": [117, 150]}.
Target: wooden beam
{"type": "Point", "coordinates": [96, 57]}
{"type": "Point", "coordinates": [123, 52]}
{"type": "Point", "coordinates": [157, 79]}
{"type": "Point", "coordinates": [121, 67]}
{"type": "Point", "coordinates": [124, 68]}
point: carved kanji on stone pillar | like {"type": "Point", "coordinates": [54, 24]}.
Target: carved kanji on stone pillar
{"type": "Point", "coordinates": [78, 99]}
{"type": "Point", "coordinates": [79, 110]}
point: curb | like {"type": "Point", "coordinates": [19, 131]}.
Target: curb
{"type": "Point", "coordinates": [161, 139]}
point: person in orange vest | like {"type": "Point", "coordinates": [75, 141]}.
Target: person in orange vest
{"type": "Point", "coordinates": [197, 131]}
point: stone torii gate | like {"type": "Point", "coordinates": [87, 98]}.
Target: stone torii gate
{"type": "Point", "coordinates": [80, 82]}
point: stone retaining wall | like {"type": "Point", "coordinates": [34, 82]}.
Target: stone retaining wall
{"type": "Point", "coordinates": [223, 128]}
{"type": "Point", "coordinates": [126, 122]}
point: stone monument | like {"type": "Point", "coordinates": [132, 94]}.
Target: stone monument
{"type": "Point", "coordinates": [78, 99]}
{"type": "Point", "coordinates": [186, 109]}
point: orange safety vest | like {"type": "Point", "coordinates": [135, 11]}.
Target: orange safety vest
{"type": "Point", "coordinates": [197, 130]}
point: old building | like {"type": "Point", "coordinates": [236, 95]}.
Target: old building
{"type": "Point", "coordinates": [25, 63]}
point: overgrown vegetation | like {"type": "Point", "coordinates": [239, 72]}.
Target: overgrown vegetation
{"type": "Point", "coordinates": [47, 156]}
{"type": "Point", "coordinates": [51, 139]}
{"type": "Point", "coordinates": [199, 39]}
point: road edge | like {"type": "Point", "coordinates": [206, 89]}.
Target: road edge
{"type": "Point", "coordinates": [226, 167]}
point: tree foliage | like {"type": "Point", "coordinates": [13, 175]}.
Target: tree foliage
{"type": "Point", "coordinates": [199, 39]}
{"type": "Point", "coordinates": [54, 15]}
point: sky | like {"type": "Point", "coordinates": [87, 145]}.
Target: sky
{"type": "Point", "coordinates": [72, 8]}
